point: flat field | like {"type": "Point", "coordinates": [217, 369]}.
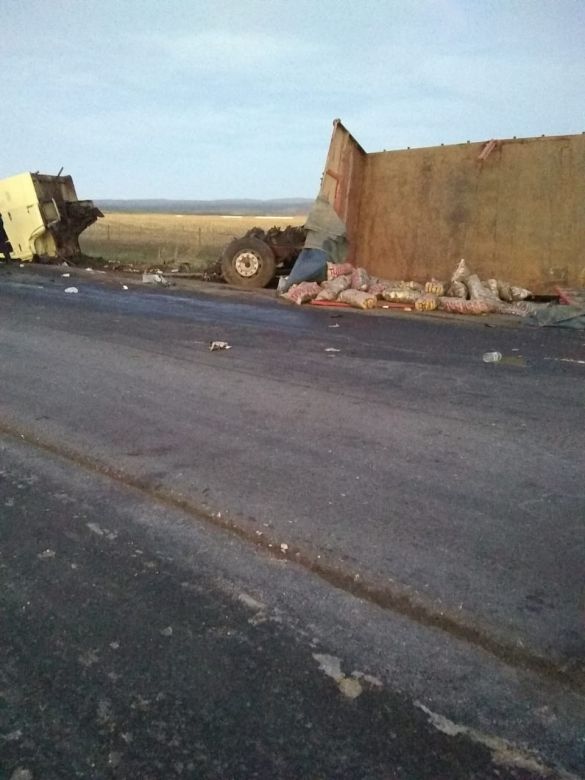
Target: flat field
{"type": "Point", "coordinates": [170, 239]}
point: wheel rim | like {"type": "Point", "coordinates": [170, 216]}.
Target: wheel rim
{"type": "Point", "coordinates": [247, 263]}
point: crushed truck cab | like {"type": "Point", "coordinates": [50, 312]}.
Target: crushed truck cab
{"type": "Point", "coordinates": [41, 217]}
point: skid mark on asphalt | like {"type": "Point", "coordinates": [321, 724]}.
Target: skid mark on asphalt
{"type": "Point", "coordinates": [503, 752]}
{"type": "Point", "coordinates": [394, 597]}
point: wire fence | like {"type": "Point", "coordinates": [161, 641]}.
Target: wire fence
{"type": "Point", "coordinates": [168, 239]}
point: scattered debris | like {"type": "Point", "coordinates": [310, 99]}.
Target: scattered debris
{"type": "Point", "coordinates": [250, 602]}
{"type": "Point", "coordinates": [89, 658]}
{"type": "Point", "coordinates": [12, 736]}
{"type": "Point", "coordinates": [46, 554]}
{"type": "Point", "coordinates": [214, 346]}
{"type": "Point", "coordinates": [124, 286]}
{"type": "Point", "coordinates": [503, 752]}
{"type": "Point", "coordinates": [71, 290]}
{"type": "Point", "coordinates": [21, 774]}
{"type": "Point", "coordinates": [99, 531]}
{"type": "Point", "coordinates": [332, 349]}
{"type": "Point", "coordinates": [566, 360]}
{"type": "Point", "coordinates": [331, 666]}
{"type": "Point", "coordinates": [65, 276]}
{"type": "Point", "coordinates": [335, 325]}
{"type": "Point", "coordinates": [155, 278]}
{"type": "Point", "coordinates": [491, 357]}
{"type": "Point", "coordinates": [350, 687]}
{"type": "Point", "coordinates": [168, 631]}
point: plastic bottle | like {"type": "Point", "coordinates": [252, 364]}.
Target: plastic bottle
{"type": "Point", "coordinates": [492, 357]}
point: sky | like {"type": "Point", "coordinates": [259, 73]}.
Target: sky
{"type": "Point", "coordinates": [236, 98]}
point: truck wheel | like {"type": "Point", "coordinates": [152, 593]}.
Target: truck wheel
{"type": "Point", "coordinates": [248, 262]}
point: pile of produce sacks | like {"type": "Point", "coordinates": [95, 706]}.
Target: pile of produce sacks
{"type": "Point", "coordinates": [465, 293]}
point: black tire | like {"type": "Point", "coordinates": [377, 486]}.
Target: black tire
{"type": "Point", "coordinates": [262, 267]}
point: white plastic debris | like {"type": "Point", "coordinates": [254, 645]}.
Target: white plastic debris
{"type": "Point", "coordinates": [492, 357]}
{"type": "Point", "coordinates": [216, 345]}
{"type": "Point", "coordinates": [71, 290]}
{"type": "Point", "coordinates": [65, 276]}
{"type": "Point", "coordinates": [124, 286]}
{"type": "Point", "coordinates": [155, 279]}
{"type": "Point", "coordinates": [332, 349]}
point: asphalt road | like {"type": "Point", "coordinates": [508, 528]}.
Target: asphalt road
{"type": "Point", "coordinates": [397, 504]}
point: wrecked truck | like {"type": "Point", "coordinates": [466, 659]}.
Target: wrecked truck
{"type": "Point", "coordinates": [255, 259]}
{"type": "Point", "coordinates": [41, 217]}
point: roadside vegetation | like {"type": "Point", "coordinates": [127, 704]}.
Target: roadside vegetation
{"type": "Point", "coordinates": [194, 240]}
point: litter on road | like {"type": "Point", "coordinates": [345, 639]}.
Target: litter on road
{"type": "Point", "coordinates": [65, 276]}
{"type": "Point", "coordinates": [155, 278]}
{"type": "Point", "coordinates": [492, 357]}
{"type": "Point", "coordinates": [71, 290]}
{"type": "Point", "coordinates": [214, 346]}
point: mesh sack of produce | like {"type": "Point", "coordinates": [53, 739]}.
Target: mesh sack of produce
{"type": "Point", "coordinates": [330, 290]}
{"type": "Point", "coordinates": [416, 286]}
{"type": "Point", "coordinates": [360, 279]}
{"type": "Point", "coordinates": [519, 293]}
{"type": "Point", "coordinates": [478, 292]}
{"type": "Point", "coordinates": [435, 288]}
{"type": "Point", "coordinates": [461, 273]}
{"type": "Point", "coordinates": [338, 269]}
{"type": "Point", "coordinates": [461, 306]}
{"type": "Point", "coordinates": [492, 286]}
{"type": "Point", "coordinates": [426, 302]}
{"type": "Point", "coordinates": [303, 292]}
{"type": "Point", "coordinates": [377, 288]}
{"type": "Point", "coordinates": [358, 299]}
{"type": "Point", "coordinates": [457, 290]}
{"type": "Point", "coordinates": [504, 291]}
{"type": "Point", "coordinates": [519, 308]}
{"type": "Point", "coordinates": [400, 295]}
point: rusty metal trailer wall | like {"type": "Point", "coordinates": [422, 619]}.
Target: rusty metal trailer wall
{"type": "Point", "coordinates": [343, 178]}
{"type": "Point", "coordinates": [515, 209]}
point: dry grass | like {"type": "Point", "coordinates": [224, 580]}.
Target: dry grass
{"type": "Point", "coordinates": [169, 239]}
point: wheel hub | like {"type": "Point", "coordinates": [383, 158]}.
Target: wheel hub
{"type": "Point", "coordinates": [247, 263]}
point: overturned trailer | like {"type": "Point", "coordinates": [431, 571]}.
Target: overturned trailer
{"type": "Point", "coordinates": [515, 209]}
{"type": "Point", "coordinates": [41, 217]}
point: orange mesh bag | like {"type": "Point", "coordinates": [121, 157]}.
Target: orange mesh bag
{"type": "Point", "coordinates": [303, 292]}
{"type": "Point", "coordinates": [334, 270]}
{"type": "Point", "coordinates": [330, 290]}
{"type": "Point", "coordinates": [360, 279]}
